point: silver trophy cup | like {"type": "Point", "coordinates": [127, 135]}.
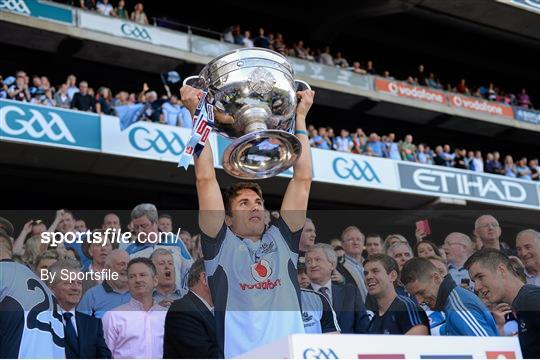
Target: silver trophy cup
{"type": "Point", "coordinates": [253, 91]}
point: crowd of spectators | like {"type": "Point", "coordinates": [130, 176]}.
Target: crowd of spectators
{"type": "Point", "coordinates": [154, 277]}
{"type": "Point", "coordinates": [78, 95]}
{"type": "Point", "coordinates": [117, 9]}
{"type": "Point", "coordinates": [168, 109]}
{"type": "Point", "coordinates": [387, 146]}
{"type": "Point", "coordinates": [235, 35]}
{"type": "Point", "coordinates": [299, 49]}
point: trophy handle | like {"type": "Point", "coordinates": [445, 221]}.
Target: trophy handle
{"type": "Point", "coordinates": [191, 80]}
{"type": "Point", "coordinates": [300, 85]}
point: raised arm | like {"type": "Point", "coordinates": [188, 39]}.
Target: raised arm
{"type": "Point", "coordinates": [295, 201]}
{"type": "Point", "coordinates": [18, 245]}
{"type": "Point", "coordinates": [211, 208]}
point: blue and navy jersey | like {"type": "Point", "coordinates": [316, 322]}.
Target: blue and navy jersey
{"type": "Point", "coordinates": [402, 315]}
{"type": "Point", "coordinates": [317, 313]}
{"type": "Point", "coordinates": [437, 321]}
{"type": "Point", "coordinates": [465, 313]}
{"type": "Point", "coordinates": [527, 306]}
{"type": "Point", "coordinates": [30, 322]}
{"type": "Point", "coordinates": [254, 287]}
{"type": "Point", "coordinates": [181, 256]}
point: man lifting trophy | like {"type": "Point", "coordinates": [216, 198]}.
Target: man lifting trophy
{"type": "Point", "coordinates": [250, 96]}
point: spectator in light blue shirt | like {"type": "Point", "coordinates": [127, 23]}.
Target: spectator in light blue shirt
{"type": "Point", "coordinates": [523, 171]}
{"type": "Point", "coordinates": [421, 154]}
{"type": "Point", "coordinates": [176, 114]}
{"type": "Point", "coordinates": [110, 293]}
{"type": "Point", "coordinates": [448, 155]}
{"type": "Point", "coordinates": [344, 142]}
{"type": "Point", "coordinates": [72, 88]}
{"type": "Point", "coordinates": [391, 147]}
{"type": "Point", "coordinates": [458, 247]}
{"type": "Point", "coordinates": [374, 142]}
{"type": "Point", "coordinates": [509, 167]}
{"type": "Point", "coordinates": [321, 141]}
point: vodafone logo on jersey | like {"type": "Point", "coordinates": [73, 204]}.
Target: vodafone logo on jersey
{"type": "Point", "coordinates": [261, 270]}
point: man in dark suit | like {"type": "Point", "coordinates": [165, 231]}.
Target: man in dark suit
{"type": "Point", "coordinates": [83, 334]}
{"type": "Point", "coordinates": [345, 299]}
{"type": "Point", "coordinates": [190, 329]}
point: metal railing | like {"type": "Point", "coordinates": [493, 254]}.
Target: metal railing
{"type": "Point", "coordinates": [190, 29]}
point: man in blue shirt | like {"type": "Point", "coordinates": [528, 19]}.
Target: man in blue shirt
{"type": "Point", "coordinates": [110, 293]}
{"type": "Point", "coordinates": [251, 266]}
{"type": "Point", "coordinates": [395, 314]}
{"type": "Point", "coordinates": [322, 141]}
{"type": "Point", "coordinates": [465, 313]}
{"type": "Point", "coordinates": [458, 247]}
{"type": "Point", "coordinates": [377, 147]}
{"type": "Point", "coordinates": [497, 280]}
{"type": "Point", "coordinates": [176, 114]}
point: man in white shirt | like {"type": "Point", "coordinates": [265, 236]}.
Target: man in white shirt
{"type": "Point", "coordinates": [104, 8]}
{"type": "Point", "coordinates": [344, 142]}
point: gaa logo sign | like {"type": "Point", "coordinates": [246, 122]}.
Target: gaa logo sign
{"type": "Point", "coordinates": [311, 353]}
{"type": "Point", "coordinates": [357, 170]}
{"type": "Point", "coordinates": [148, 139]}
{"type": "Point", "coordinates": [34, 124]}
{"type": "Point", "coordinates": [136, 32]}
{"type": "Point", "coordinates": [16, 6]}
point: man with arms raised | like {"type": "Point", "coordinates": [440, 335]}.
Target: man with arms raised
{"type": "Point", "coordinates": [251, 267]}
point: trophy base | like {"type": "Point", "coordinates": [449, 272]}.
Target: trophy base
{"type": "Point", "coordinates": [261, 154]}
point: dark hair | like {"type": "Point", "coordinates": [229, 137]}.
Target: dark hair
{"type": "Point", "coordinates": [491, 258]}
{"type": "Point", "coordinates": [433, 246]}
{"type": "Point", "coordinates": [165, 216]}
{"type": "Point", "coordinates": [387, 262]}
{"type": "Point", "coordinates": [232, 192]}
{"type": "Point", "coordinates": [375, 235]}
{"type": "Point", "coordinates": [145, 261]}
{"type": "Point", "coordinates": [195, 272]}
{"type": "Point", "coordinates": [416, 269]}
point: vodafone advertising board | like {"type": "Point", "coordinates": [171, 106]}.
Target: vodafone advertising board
{"type": "Point", "coordinates": [405, 90]}
{"type": "Point", "coordinates": [479, 105]}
